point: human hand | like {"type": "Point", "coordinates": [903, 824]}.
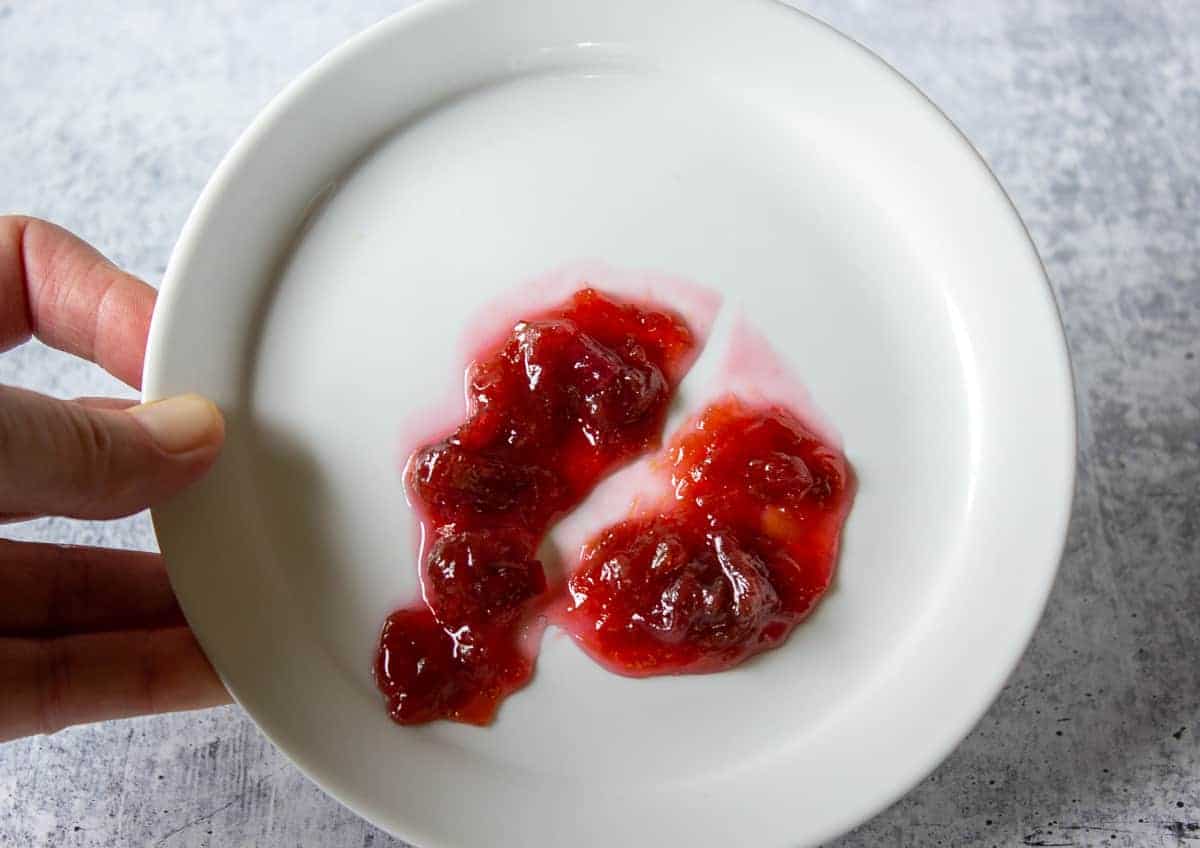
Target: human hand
{"type": "Point", "coordinates": [89, 633]}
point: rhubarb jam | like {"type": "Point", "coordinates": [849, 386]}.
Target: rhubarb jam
{"type": "Point", "coordinates": [566, 398]}
{"type": "Point", "coordinates": [735, 557]}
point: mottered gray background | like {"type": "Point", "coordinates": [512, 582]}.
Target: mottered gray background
{"type": "Point", "coordinates": [113, 114]}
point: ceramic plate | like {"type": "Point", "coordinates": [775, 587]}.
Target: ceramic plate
{"type": "Point", "coordinates": [461, 148]}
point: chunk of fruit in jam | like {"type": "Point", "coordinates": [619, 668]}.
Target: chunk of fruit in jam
{"type": "Point", "coordinates": [565, 399]}
{"type": "Point", "coordinates": [481, 577]}
{"type": "Point", "coordinates": [741, 553]}
{"type": "Point", "coordinates": [427, 672]}
{"type": "Point", "coordinates": [477, 486]}
{"type": "Point", "coordinates": [666, 589]}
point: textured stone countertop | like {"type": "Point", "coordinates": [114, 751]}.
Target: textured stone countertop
{"type": "Point", "coordinates": [113, 114]}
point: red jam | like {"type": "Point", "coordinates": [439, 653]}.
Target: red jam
{"type": "Point", "coordinates": [565, 399]}
{"type": "Point", "coordinates": [743, 551]}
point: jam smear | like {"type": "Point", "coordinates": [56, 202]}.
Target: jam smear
{"type": "Point", "coordinates": [566, 398]}
{"type": "Point", "coordinates": [740, 553]}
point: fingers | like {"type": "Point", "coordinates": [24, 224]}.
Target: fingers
{"type": "Point", "coordinates": [63, 458]}
{"type": "Point", "coordinates": [59, 288]}
{"type": "Point", "coordinates": [115, 647]}
{"type": "Point", "coordinates": [54, 683]}
{"type": "Point", "coordinates": [57, 590]}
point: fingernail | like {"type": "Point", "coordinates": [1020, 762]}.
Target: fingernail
{"type": "Point", "coordinates": [180, 424]}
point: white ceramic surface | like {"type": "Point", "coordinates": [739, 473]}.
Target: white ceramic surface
{"type": "Point", "coordinates": [458, 149]}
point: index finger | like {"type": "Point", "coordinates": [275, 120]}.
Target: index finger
{"type": "Point", "coordinates": [62, 290]}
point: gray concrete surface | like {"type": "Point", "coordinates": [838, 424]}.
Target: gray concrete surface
{"type": "Point", "coordinates": [113, 114]}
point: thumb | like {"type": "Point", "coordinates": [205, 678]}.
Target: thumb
{"type": "Point", "coordinates": [65, 458]}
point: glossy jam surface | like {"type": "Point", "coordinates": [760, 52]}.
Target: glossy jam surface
{"type": "Point", "coordinates": [567, 397]}
{"type": "Point", "coordinates": [738, 554]}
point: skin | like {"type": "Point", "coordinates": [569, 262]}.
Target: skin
{"type": "Point", "coordinates": [86, 633]}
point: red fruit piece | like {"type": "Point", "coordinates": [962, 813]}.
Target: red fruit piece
{"type": "Point", "coordinates": [668, 592]}
{"type": "Point", "coordinates": [426, 673]}
{"type": "Point", "coordinates": [457, 484]}
{"type": "Point", "coordinates": [476, 577]}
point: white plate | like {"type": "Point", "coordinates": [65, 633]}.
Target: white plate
{"type": "Point", "coordinates": [459, 148]}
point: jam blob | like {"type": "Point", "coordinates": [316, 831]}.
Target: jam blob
{"type": "Point", "coordinates": [566, 398]}
{"type": "Point", "coordinates": [739, 553]}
